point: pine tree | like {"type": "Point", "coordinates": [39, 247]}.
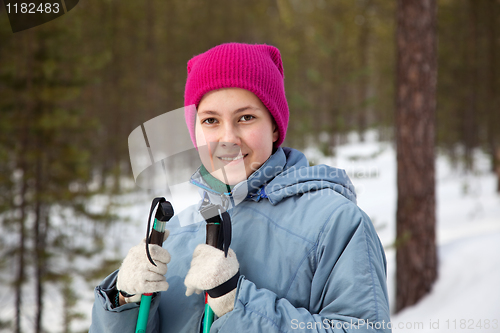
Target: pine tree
{"type": "Point", "coordinates": [416, 256]}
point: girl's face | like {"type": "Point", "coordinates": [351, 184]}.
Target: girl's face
{"type": "Point", "coordinates": [238, 132]}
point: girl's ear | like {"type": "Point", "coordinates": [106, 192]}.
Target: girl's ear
{"type": "Point", "coordinates": [276, 133]}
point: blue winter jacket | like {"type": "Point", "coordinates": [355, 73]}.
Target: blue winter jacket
{"type": "Point", "coordinates": [310, 259]}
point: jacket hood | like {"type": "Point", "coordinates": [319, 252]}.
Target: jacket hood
{"type": "Point", "coordinates": [298, 177]}
{"type": "Point", "coordinates": [286, 173]}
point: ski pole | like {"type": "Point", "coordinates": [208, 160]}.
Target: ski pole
{"type": "Point", "coordinates": [211, 216]}
{"type": "Point", "coordinates": [219, 236]}
{"type": "Point", "coordinates": [164, 213]}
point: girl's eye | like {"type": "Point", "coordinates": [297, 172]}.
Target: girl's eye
{"type": "Point", "coordinates": [209, 121]}
{"type": "Point", "coordinates": [247, 117]}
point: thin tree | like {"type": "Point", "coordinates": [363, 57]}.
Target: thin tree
{"type": "Point", "coordinates": [494, 100]}
{"type": "Point", "coordinates": [415, 126]}
{"type": "Point", "coordinates": [22, 164]}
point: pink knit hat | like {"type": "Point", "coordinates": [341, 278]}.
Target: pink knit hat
{"type": "Point", "coordinates": [257, 68]}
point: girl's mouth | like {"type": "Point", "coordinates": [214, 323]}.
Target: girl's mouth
{"type": "Point", "coordinates": [231, 158]}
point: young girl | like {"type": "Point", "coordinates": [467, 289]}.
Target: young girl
{"type": "Point", "coordinates": [303, 256]}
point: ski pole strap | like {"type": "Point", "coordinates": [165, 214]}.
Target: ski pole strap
{"type": "Point", "coordinates": [163, 214]}
{"type": "Point", "coordinates": [226, 230]}
{"type": "Point", "coordinates": [124, 294]}
{"type": "Point", "coordinates": [155, 202]}
{"type": "Point", "coordinates": [225, 288]}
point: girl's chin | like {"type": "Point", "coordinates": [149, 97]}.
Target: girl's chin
{"type": "Point", "coordinates": [232, 169]}
{"type": "Point", "coordinates": [231, 177]}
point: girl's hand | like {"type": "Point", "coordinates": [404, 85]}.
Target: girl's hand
{"type": "Point", "coordinates": [138, 276]}
{"type": "Point", "coordinates": [210, 269]}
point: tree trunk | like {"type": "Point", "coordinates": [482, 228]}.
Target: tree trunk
{"type": "Point", "coordinates": [23, 166]}
{"type": "Point", "coordinates": [497, 167]}
{"type": "Point", "coordinates": [364, 48]}
{"type": "Point", "coordinates": [40, 246]}
{"type": "Point", "coordinates": [20, 274]}
{"type": "Point", "coordinates": [469, 119]}
{"type": "Point", "coordinates": [416, 257]}
{"type": "Point", "coordinates": [494, 104]}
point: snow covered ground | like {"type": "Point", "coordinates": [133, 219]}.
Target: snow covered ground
{"type": "Point", "coordinates": [466, 296]}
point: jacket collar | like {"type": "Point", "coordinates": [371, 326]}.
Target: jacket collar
{"type": "Point", "coordinates": [247, 189]}
{"type": "Point", "coordinates": [285, 173]}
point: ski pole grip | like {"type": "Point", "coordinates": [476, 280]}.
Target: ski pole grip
{"type": "Point", "coordinates": [156, 237]}
{"type": "Point", "coordinates": [163, 214]}
{"type": "Point", "coordinates": [211, 216]}
{"type": "Point", "coordinates": [213, 234]}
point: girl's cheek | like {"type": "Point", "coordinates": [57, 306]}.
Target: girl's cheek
{"type": "Point", "coordinates": [200, 135]}
{"type": "Point", "coordinates": [260, 139]}
{"type": "Point", "coordinates": [205, 136]}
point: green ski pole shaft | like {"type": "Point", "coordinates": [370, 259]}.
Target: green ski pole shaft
{"type": "Point", "coordinates": [163, 214]}
{"type": "Point", "coordinates": [208, 319]}
{"type": "Point", "coordinates": [142, 319]}
{"type": "Point", "coordinates": [156, 237]}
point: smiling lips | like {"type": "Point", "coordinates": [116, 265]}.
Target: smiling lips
{"type": "Point", "coordinates": [231, 158]}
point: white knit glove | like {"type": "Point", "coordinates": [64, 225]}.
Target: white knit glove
{"type": "Point", "coordinates": [209, 269]}
{"type": "Point", "coordinates": [138, 276]}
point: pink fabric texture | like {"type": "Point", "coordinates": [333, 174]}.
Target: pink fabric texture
{"type": "Point", "coordinates": [257, 68]}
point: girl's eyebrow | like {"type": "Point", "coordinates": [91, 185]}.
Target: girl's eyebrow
{"type": "Point", "coordinates": [242, 109]}
{"type": "Point", "coordinates": [245, 108]}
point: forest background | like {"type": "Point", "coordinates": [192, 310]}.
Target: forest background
{"type": "Point", "coordinates": [73, 89]}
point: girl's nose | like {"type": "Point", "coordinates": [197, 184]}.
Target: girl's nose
{"type": "Point", "coordinates": [229, 136]}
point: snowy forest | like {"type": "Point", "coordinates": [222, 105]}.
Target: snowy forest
{"type": "Point", "coordinates": [73, 89]}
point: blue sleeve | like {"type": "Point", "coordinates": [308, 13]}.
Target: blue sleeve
{"type": "Point", "coordinates": [122, 319]}
{"type": "Point", "coordinates": [348, 289]}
